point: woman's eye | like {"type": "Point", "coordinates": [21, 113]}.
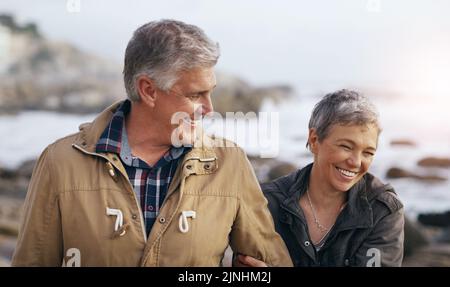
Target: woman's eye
{"type": "Point", "coordinates": [367, 153]}
{"type": "Point", "coordinates": [345, 147]}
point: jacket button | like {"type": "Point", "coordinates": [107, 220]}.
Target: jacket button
{"type": "Point", "coordinates": [134, 216]}
{"type": "Point", "coordinates": [307, 243]}
{"type": "Point", "coordinates": [347, 262]}
{"type": "Point", "coordinates": [162, 220]}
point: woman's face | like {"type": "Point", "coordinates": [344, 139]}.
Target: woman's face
{"type": "Point", "coordinates": [345, 155]}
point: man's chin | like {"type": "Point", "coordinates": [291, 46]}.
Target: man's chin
{"type": "Point", "coordinates": [186, 135]}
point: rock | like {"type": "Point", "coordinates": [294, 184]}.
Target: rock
{"type": "Point", "coordinates": [232, 94]}
{"type": "Point", "coordinates": [281, 169]}
{"type": "Point", "coordinates": [7, 246]}
{"type": "Point", "coordinates": [444, 236]}
{"type": "Point", "coordinates": [261, 166]}
{"type": "Point", "coordinates": [267, 169]}
{"type": "Point", "coordinates": [7, 228]}
{"type": "Point", "coordinates": [396, 172]}
{"type": "Point", "coordinates": [10, 214]}
{"type": "Point", "coordinates": [15, 188]}
{"type": "Point", "coordinates": [403, 142]}
{"type": "Point", "coordinates": [26, 168]}
{"type": "Point", "coordinates": [7, 173]}
{"type": "Point", "coordinates": [415, 238]}
{"type": "Point", "coordinates": [435, 219]}
{"type": "Point", "coordinates": [434, 162]}
{"type": "Point", "coordinates": [433, 255]}
{"type": "Point", "coordinates": [14, 182]}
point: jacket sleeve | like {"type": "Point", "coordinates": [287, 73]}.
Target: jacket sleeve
{"type": "Point", "coordinates": [253, 232]}
{"type": "Point", "coordinates": [384, 245]}
{"type": "Point", "coordinates": [40, 237]}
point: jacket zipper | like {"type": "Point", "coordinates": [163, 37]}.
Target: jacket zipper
{"type": "Point", "coordinates": [134, 195]}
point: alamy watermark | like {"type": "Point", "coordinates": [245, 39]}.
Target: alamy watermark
{"type": "Point", "coordinates": [73, 6]}
{"type": "Point", "coordinates": [73, 258]}
{"type": "Point", "coordinates": [373, 6]}
{"type": "Point", "coordinates": [374, 255]}
{"type": "Point", "coordinates": [258, 133]}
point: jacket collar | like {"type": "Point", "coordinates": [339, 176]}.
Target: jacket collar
{"type": "Point", "coordinates": [90, 133]}
{"type": "Point", "coordinates": [357, 213]}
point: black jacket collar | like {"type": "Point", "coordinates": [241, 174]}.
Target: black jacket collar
{"type": "Point", "coordinates": [356, 214]}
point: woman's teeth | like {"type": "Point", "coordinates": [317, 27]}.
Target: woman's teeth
{"type": "Point", "coordinates": [347, 173]}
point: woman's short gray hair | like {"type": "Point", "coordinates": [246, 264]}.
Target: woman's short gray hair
{"type": "Point", "coordinates": [344, 107]}
{"type": "Point", "coordinates": [162, 49]}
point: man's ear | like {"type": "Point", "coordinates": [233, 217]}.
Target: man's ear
{"type": "Point", "coordinates": [313, 140]}
{"type": "Point", "coordinates": [146, 90]}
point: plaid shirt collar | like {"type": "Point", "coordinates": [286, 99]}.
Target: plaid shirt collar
{"type": "Point", "coordinates": [114, 139]}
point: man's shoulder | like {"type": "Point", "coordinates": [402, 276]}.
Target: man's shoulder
{"type": "Point", "coordinates": [226, 149]}
{"type": "Point", "coordinates": [63, 146]}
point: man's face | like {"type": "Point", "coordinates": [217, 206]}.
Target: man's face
{"type": "Point", "coordinates": [189, 99]}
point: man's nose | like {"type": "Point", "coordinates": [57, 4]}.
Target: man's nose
{"type": "Point", "coordinates": [207, 106]}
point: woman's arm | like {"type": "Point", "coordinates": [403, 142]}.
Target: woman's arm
{"type": "Point", "coordinates": [384, 246]}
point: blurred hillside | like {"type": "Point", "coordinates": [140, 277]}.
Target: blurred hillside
{"type": "Point", "coordinates": [40, 74]}
{"type": "Point", "coordinates": [37, 73]}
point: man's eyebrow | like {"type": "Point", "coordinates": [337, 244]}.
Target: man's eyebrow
{"type": "Point", "coordinates": [204, 91]}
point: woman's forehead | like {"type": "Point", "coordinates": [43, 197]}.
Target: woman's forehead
{"type": "Point", "coordinates": [358, 134]}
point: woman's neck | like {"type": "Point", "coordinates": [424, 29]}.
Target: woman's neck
{"type": "Point", "coordinates": [322, 195]}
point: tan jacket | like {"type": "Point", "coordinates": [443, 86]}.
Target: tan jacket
{"type": "Point", "coordinates": [66, 221]}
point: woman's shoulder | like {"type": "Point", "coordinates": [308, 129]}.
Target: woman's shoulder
{"type": "Point", "coordinates": [280, 187]}
{"type": "Point", "coordinates": [382, 193]}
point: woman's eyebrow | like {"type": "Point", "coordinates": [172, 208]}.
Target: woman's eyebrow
{"type": "Point", "coordinates": [354, 143]}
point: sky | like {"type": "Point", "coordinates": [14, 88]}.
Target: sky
{"type": "Point", "coordinates": [397, 45]}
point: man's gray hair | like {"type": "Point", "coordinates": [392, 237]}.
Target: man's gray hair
{"type": "Point", "coordinates": [343, 107]}
{"type": "Point", "coordinates": [162, 49]}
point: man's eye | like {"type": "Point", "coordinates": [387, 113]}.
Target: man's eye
{"type": "Point", "coordinates": [368, 153]}
{"type": "Point", "coordinates": [194, 97]}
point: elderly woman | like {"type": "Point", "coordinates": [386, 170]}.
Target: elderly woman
{"type": "Point", "coordinates": [333, 212]}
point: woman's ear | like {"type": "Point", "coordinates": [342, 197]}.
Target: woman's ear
{"type": "Point", "coordinates": [313, 140]}
{"type": "Point", "coordinates": [146, 90]}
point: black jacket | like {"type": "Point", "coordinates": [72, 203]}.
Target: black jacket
{"type": "Point", "coordinates": [368, 231]}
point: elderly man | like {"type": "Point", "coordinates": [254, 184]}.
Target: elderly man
{"type": "Point", "coordinates": [134, 189]}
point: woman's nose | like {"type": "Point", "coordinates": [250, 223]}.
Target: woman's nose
{"type": "Point", "coordinates": [354, 160]}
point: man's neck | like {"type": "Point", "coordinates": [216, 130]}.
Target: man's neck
{"type": "Point", "coordinates": [145, 137]}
